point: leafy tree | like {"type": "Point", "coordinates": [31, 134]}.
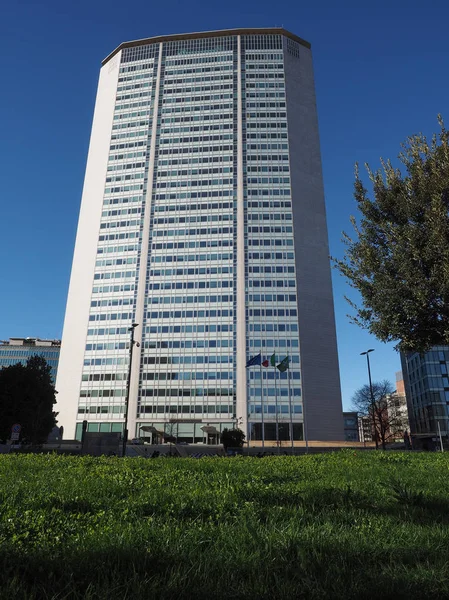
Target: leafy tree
{"type": "Point", "coordinates": [232, 438]}
{"type": "Point", "coordinates": [27, 396]}
{"type": "Point", "coordinates": [386, 420]}
{"type": "Point", "coordinates": [399, 259]}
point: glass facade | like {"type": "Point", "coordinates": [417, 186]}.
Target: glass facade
{"type": "Point", "coordinates": [427, 389]}
{"type": "Point", "coordinates": [187, 359]}
{"type": "Point", "coordinates": [196, 242]}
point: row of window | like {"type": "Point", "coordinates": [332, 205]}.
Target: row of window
{"type": "Point", "coordinates": [199, 139]}
{"type": "Point", "coordinates": [194, 195]}
{"type": "Point", "coordinates": [190, 271]}
{"type": "Point", "coordinates": [105, 361]}
{"type": "Point", "coordinates": [270, 343]}
{"type": "Point", "coordinates": [215, 69]}
{"type": "Point", "coordinates": [122, 146]}
{"type": "Point", "coordinates": [118, 224]}
{"type": "Point", "coordinates": [272, 229]}
{"type": "Point", "coordinates": [198, 231]}
{"type": "Point", "coordinates": [119, 236]}
{"type": "Point", "coordinates": [193, 207]}
{"type": "Point", "coordinates": [122, 200]}
{"type": "Point", "coordinates": [270, 409]}
{"type": "Point", "coordinates": [269, 216]}
{"type": "Point", "coordinates": [192, 99]}
{"type": "Point", "coordinates": [126, 166]}
{"type": "Point", "coordinates": [203, 108]}
{"type": "Point", "coordinates": [130, 125]}
{"type": "Point", "coordinates": [271, 242]}
{"type": "Point", "coordinates": [186, 392]}
{"type": "Point", "coordinates": [268, 192]}
{"type": "Point", "coordinates": [176, 344]}
{"type": "Point", "coordinates": [195, 160]}
{"type": "Point", "coordinates": [190, 258]}
{"type": "Point", "coordinates": [124, 188]}
{"type": "Point", "coordinates": [273, 327]}
{"type": "Point", "coordinates": [132, 115]}
{"type": "Point", "coordinates": [194, 128]}
{"type": "Point", "coordinates": [169, 62]}
{"type": "Point", "coordinates": [122, 211]}
{"type": "Point", "coordinates": [272, 312]}
{"type": "Point", "coordinates": [115, 261]}
{"type": "Point", "coordinates": [186, 409]}
{"type": "Point", "coordinates": [104, 377]}
{"type": "Point", "coordinates": [190, 172]}
{"type": "Point", "coordinates": [136, 95]}
{"type": "Point", "coordinates": [271, 297]}
{"type": "Point", "coordinates": [105, 289]}
{"type": "Point", "coordinates": [188, 314]}
{"type": "Point", "coordinates": [114, 302]}
{"type": "Point", "coordinates": [268, 283]}
{"type": "Point", "coordinates": [112, 249]}
{"type": "Point", "coordinates": [203, 150]}
{"type": "Point", "coordinates": [115, 275]}
{"type": "Point", "coordinates": [108, 331]}
{"type": "Point", "coordinates": [107, 346]}
{"type": "Point", "coordinates": [199, 218]}
{"type": "Point", "coordinates": [103, 393]}
{"type": "Point", "coordinates": [187, 376]}
{"type": "Point", "coordinates": [189, 285]}
{"type": "Point", "coordinates": [122, 177]}
{"type": "Point", "coordinates": [270, 256]}
{"type": "Point", "coordinates": [188, 360]}
{"type": "Point", "coordinates": [214, 243]}
{"type": "Point", "coordinates": [219, 78]}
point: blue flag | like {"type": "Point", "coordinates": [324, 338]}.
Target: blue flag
{"type": "Point", "coordinates": [255, 360]}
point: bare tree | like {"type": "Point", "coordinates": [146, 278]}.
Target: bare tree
{"type": "Point", "coordinates": [379, 409]}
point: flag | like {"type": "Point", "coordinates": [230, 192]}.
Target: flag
{"type": "Point", "coordinates": [255, 360]}
{"type": "Point", "coordinates": [283, 365]}
{"type": "Point", "coordinates": [266, 363]}
{"type": "Point", "coordinates": [273, 360]}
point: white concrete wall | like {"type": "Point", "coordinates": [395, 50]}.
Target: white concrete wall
{"type": "Point", "coordinates": [81, 280]}
{"type": "Point", "coordinates": [241, 386]}
{"type": "Point", "coordinates": [320, 376]}
{"type": "Point", "coordinates": [142, 274]}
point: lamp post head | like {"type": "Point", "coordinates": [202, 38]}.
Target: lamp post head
{"type": "Point", "coordinates": [367, 352]}
{"type": "Point", "coordinates": [133, 326]}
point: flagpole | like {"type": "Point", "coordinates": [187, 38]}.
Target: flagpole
{"type": "Point", "coordinates": [304, 419]}
{"type": "Point", "coordinates": [276, 403]}
{"type": "Point", "coordinates": [261, 402]}
{"type": "Point", "coordinates": [290, 408]}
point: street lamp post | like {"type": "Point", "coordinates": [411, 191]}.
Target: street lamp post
{"type": "Point", "coordinates": [371, 393]}
{"type": "Point", "coordinates": [128, 381]}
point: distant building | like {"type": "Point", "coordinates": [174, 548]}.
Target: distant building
{"type": "Point", "coordinates": [397, 412]}
{"type": "Point", "coordinates": [427, 391]}
{"type": "Point", "coordinates": [351, 426]}
{"type": "Point", "coordinates": [19, 350]}
{"type": "Point", "coordinates": [365, 428]}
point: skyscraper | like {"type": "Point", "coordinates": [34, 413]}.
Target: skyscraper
{"type": "Point", "coordinates": [203, 221]}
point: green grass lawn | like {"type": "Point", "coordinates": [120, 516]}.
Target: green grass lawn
{"type": "Point", "coordinates": [342, 525]}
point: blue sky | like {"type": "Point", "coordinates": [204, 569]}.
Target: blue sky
{"type": "Point", "coordinates": [381, 74]}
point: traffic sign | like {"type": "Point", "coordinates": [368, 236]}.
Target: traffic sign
{"type": "Point", "coordinates": [15, 436]}
{"type": "Point", "coordinates": [16, 428]}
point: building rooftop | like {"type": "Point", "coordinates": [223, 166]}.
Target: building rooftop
{"type": "Point", "coordinates": [208, 34]}
{"type": "Point", "coordinates": [29, 341]}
